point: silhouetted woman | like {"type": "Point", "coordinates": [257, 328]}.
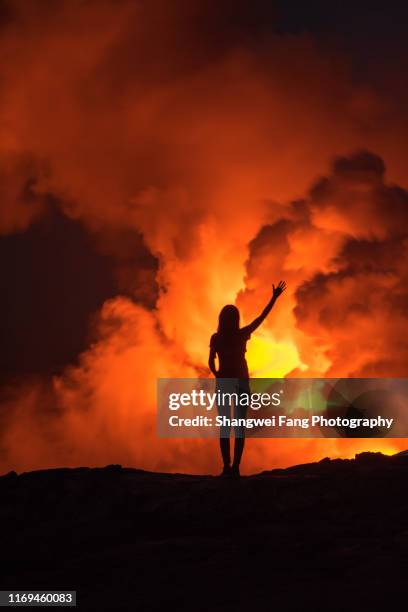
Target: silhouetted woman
{"type": "Point", "coordinates": [229, 345]}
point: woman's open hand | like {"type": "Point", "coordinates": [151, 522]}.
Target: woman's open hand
{"type": "Point", "coordinates": [277, 291]}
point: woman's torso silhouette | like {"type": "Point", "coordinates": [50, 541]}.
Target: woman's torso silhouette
{"type": "Point", "coordinates": [231, 349]}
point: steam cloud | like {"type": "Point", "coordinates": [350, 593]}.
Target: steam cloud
{"type": "Point", "coordinates": [142, 120]}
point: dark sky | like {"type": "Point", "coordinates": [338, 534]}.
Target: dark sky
{"type": "Point", "coordinates": [373, 34]}
{"type": "Point", "coordinates": [53, 277]}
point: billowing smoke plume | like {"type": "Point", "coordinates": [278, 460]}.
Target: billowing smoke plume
{"type": "Point", "coordinates": [150, 125]}
{"type": "Point", "coordinates": [344, 251]}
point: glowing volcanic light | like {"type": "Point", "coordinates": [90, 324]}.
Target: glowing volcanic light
{"type": "Point", "coordinates": [229, 167]}
{"type": "Point", "coordinates": [268, 358]}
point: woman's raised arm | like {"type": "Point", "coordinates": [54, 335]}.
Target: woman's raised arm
{"type": "Point", "coordinates": [277, 291]}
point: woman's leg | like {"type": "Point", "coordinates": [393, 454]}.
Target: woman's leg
{"type": "Point", "coordinates": [224, 410]}
{"type": "Point", "coordinates": [225, 432]}
{"type": "Point", "coordinates": [240, 413]}
{"type": "Point", "coordinates": [225, 451]}
{"type": "Point", "coordinates": [238, 450]}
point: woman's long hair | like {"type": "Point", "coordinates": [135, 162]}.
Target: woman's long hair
{"type": "Point", "coordinates": [228, 320]}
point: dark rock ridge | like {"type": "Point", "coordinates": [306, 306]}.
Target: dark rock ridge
{"type": "Point", "coordinates": [326, 535]}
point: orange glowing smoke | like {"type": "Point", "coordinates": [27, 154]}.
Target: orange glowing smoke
{"type": "Point", "coordinates": [215, 160]}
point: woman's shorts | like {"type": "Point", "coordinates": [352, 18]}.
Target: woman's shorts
{"type": "Point", "coordinates": [234, 393]}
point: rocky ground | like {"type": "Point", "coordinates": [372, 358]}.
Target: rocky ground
{"type": "Point", "coordinates": [327, 535]}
